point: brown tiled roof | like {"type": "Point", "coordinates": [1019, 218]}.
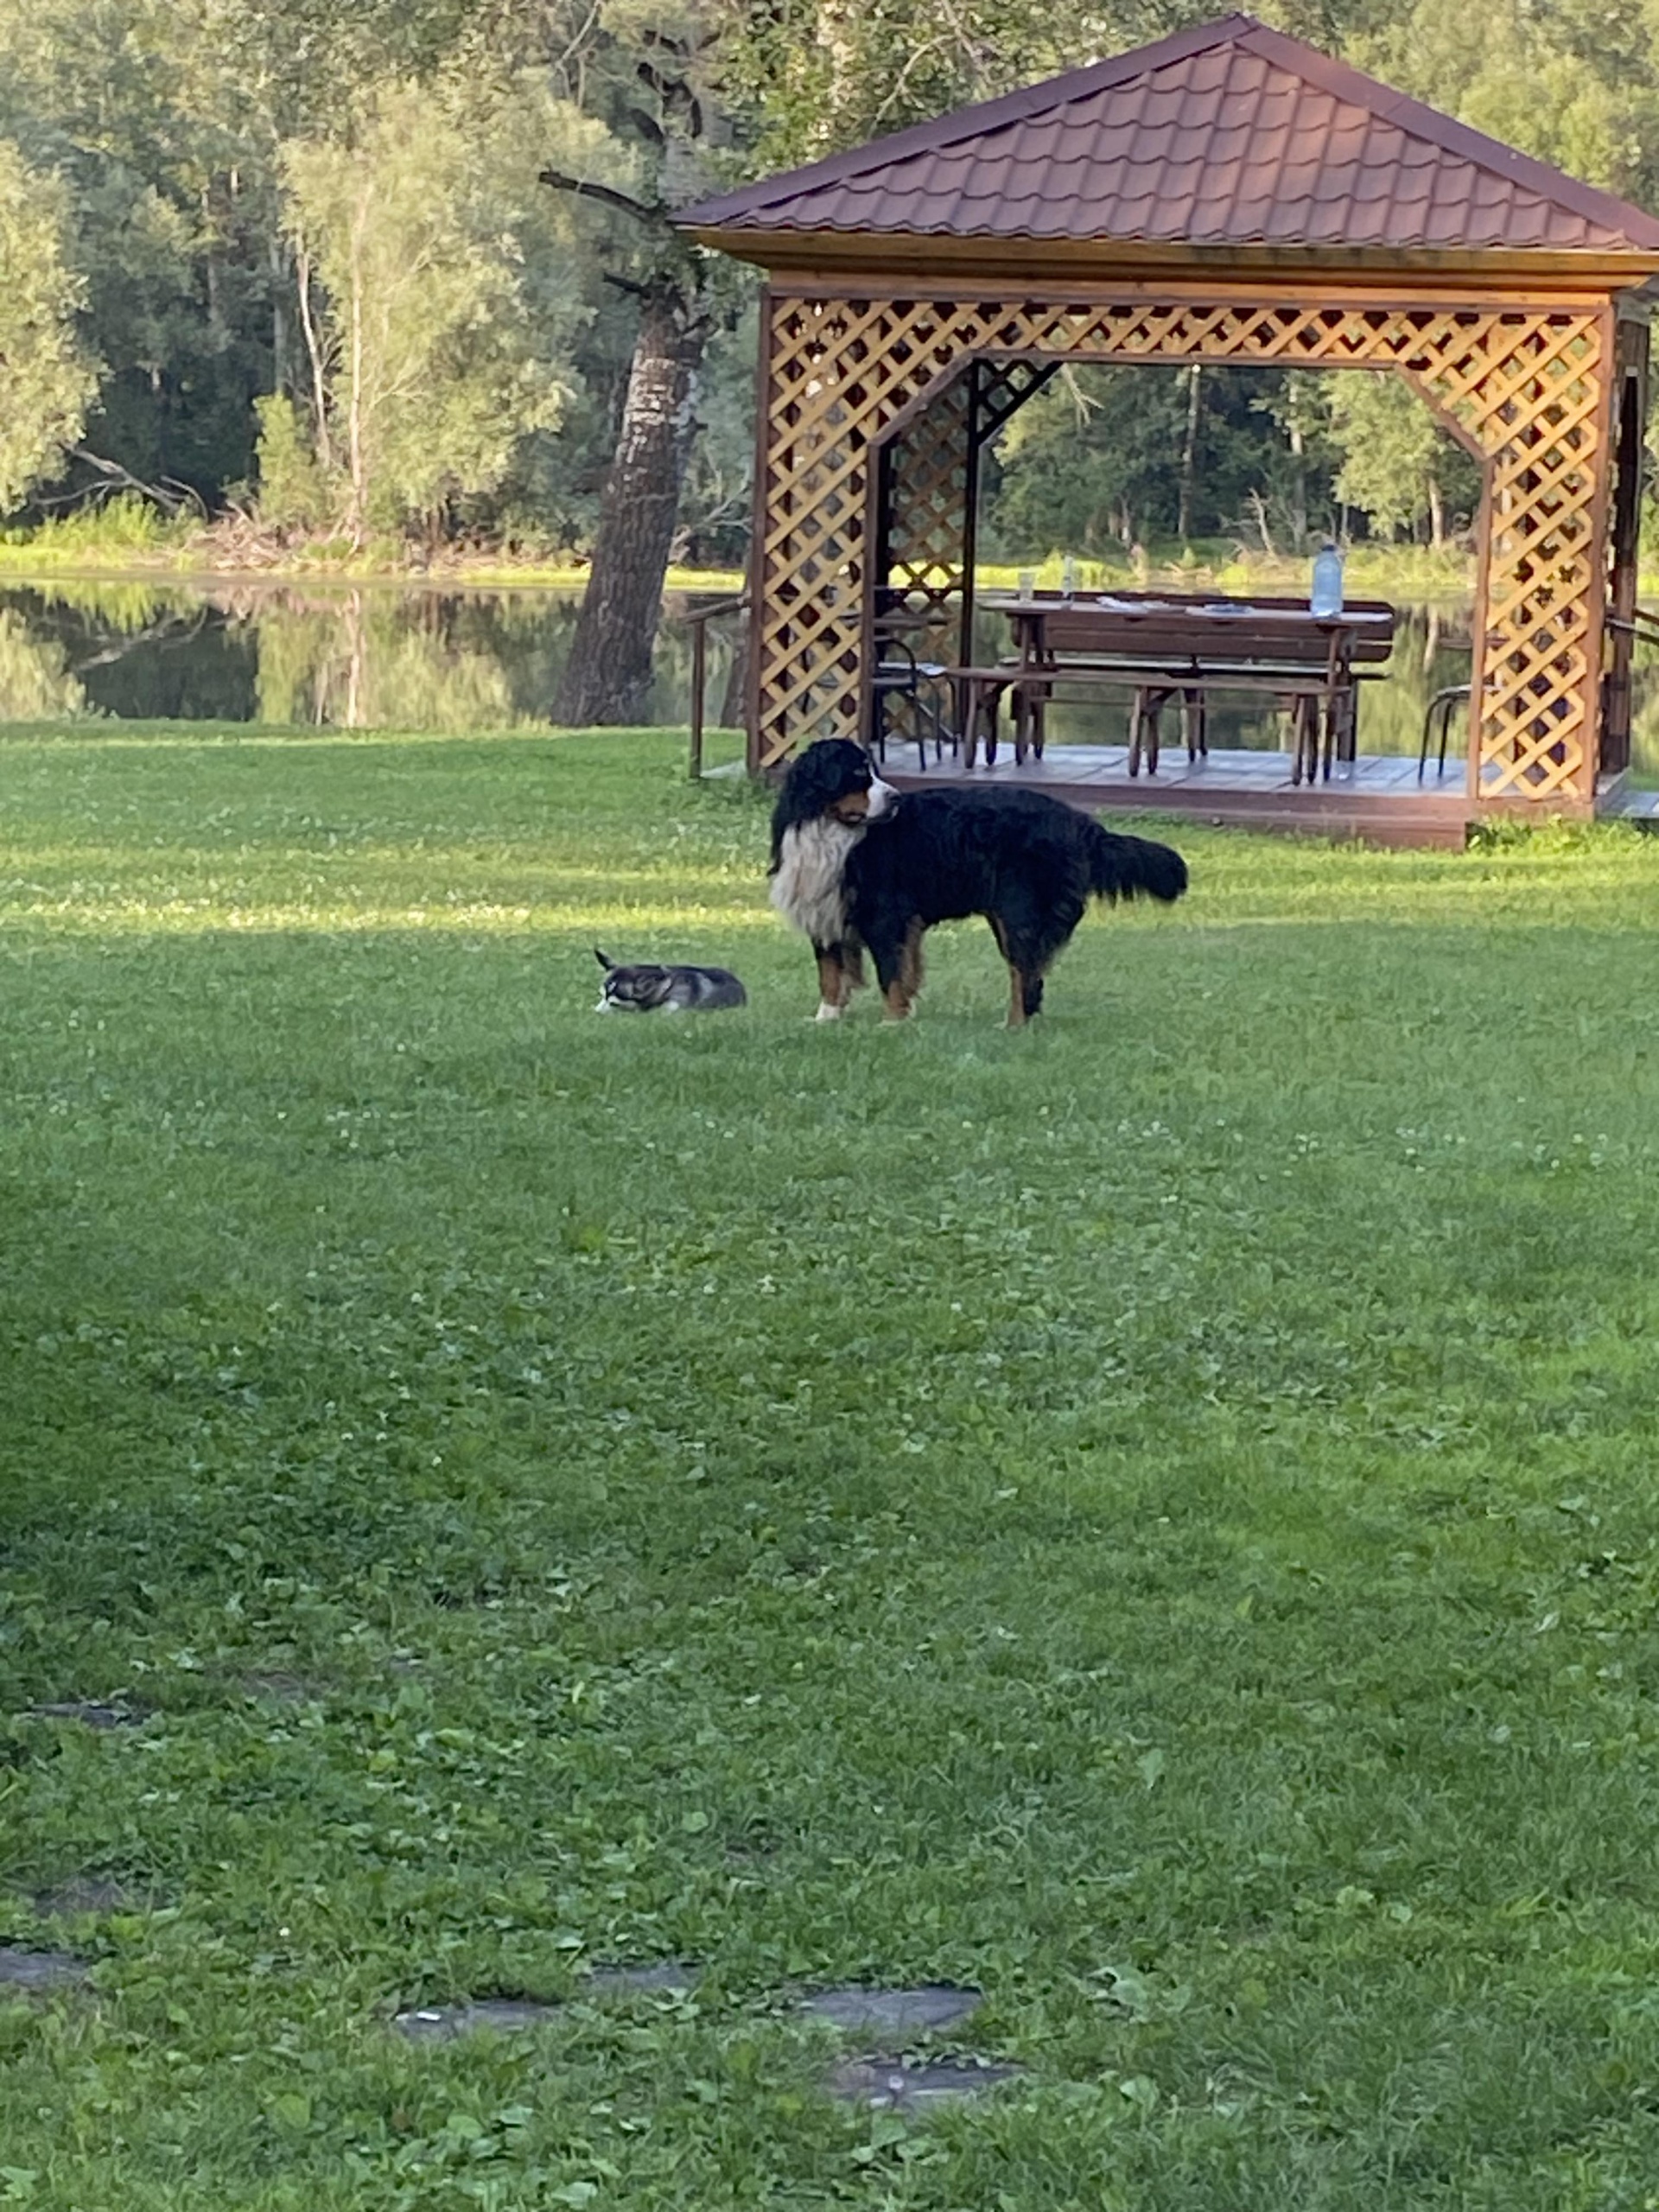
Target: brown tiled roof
{"type": "Point", "coordinates": [1227, 135]}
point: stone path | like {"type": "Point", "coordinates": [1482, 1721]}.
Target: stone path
{"type": "Point", "coordinates": [33, 1970]}
{"type": "Point", "coordinates": [896, 2085]}
{"type": "Point", "coordinates": [894, 2080]}
{"type": "Point", "coordinates": [503, 2015]}
{"type": "Point", "coordinates": [510, 2015]}
{"type": "Point", "coordinates": [120, 1713]}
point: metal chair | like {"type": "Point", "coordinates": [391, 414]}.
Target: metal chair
{"type": "Point", "coordinates": [899, 674]}
{"type": "Point", "coordinates": [1442, 704]}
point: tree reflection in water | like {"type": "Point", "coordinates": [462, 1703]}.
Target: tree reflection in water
{"type": "Point", "coordinates": [306, 656]}
{"type": "Point", "coordinates": [397, 657]}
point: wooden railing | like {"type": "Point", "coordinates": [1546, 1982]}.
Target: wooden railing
{"type": "Point", "coordinates": [697, 622]}
{"type": "Point", "coordinates": [1644, 624]}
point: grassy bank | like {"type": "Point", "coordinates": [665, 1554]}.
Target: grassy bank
{"type": "Point", "coordinates": [1412, 574]}
{"type": "Point", "coordinates": [64, 550]}
{"type": "Point", "coordinates": [1153, 1517]}
{"type": "Point", "coordinates": [128, 537]}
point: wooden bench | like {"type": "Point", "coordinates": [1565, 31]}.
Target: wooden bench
{"type": "Point", "coordinates": [979, 693]}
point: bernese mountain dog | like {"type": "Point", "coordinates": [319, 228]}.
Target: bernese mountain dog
{"type": "Point", "coordinates": [858, 866]}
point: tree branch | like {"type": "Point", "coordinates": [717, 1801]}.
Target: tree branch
{"type": "Point", "coordinates": [170, 494]}
{"type": "Point", "coordinates": [607, 196]}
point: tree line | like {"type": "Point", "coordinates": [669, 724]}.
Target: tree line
{"type": "Point", "coordinates": [402, 269]}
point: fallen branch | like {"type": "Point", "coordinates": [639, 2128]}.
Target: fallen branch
{"type": "Point", "coordinates": [170, 496]}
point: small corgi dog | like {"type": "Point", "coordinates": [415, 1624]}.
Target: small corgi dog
{"type": "Point", "coordinates": [666, 990]}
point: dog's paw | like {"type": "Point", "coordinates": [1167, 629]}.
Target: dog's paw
{"type": "Point", "coordinates": [827, 1012]}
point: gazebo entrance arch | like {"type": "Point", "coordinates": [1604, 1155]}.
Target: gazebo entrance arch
{"type": "Point", "coordinates": [1522, 386]}
{"type": "Point", "coordinates": [904, 324]}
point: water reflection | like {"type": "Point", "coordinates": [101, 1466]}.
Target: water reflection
{"type": "Point", "coordinates": [397, 657]}
{"type": "Point", "coordinates": [312, 656]}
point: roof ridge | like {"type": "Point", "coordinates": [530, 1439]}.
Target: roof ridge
{"type": "Point", "coordinates": [1417, 119]}
{"type": "Point", "coordinates": [984, 117]}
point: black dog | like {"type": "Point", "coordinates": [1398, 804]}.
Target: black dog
{"type": "Point", "coordinates": [854, 865]}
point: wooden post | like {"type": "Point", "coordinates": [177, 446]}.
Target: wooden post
{"type": "Point", "coordinates": [1631, 362]}
{"type": "Point", "coordinates": [972, 441]}
{"type": "Point", "coordinates": [763, 520]}
{"type": "Point", "coordinates": [699, 671]}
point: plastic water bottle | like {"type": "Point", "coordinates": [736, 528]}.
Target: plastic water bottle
{"type": "Point", "coordinates": [1326, 598]}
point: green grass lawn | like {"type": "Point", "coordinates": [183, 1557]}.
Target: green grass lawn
{"type": "Point", "coordinates": [1153, 1516]}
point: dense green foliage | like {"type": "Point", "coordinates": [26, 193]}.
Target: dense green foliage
{"type": "Point", "coordinates": [440, 255]}
{"type": "Point", "coordinates": [1153, 1517]}
{"type": "Point", "coordinates": [337, 207]}
{"type": "Point", "coordinates": [1107, 458]}
{"type": "Point", "coordinates": [47, 379]}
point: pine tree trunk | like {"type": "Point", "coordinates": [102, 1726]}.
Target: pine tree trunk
{"type": "Point", "coordinates": [607, 675]}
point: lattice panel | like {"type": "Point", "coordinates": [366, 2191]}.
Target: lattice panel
{"type": "Point", "coordinates": [928, 479]}
{"type": "Point", "coordinates": [1001, 389]}
{"type": "Point", "coordinates": [1526, 384]}
{"type": "Point", "coordinates": [927, 503]}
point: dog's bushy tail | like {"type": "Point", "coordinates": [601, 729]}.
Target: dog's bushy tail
{"type": "Point", "coordinates": [1129, 868]}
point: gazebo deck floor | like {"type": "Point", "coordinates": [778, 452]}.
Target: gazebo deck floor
{"type": "Point", "coordinates": [1379, 797]}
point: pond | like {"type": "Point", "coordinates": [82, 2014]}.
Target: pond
{"type": "Point", "coordinates": [300, 654]}
{"type": "Point", "coordinates": [311, 656]}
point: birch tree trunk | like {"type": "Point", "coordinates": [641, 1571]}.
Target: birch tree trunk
{"type": "Point", "coordinates": [315, 356]}
{"type": "Point", "coordinates": [277, 264]}
{"type": "Point", "coordinates": [356, 458]}
{"type": "Point", "coordinates": [1298, 486]}
{"type": "Point", "coordinates": [1190, 454]}
{"type": "Point", "coordinates": [608, 676]}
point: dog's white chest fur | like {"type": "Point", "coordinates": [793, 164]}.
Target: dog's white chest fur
{"type": "Point", "coordinates": [809, 888]}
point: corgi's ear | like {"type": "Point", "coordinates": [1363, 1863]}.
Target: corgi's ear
{"type": "Point", "coordinates": [605, 964]}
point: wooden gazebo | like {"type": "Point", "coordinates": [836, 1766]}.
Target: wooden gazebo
{"type": "Point", "coordinates": [1227, 194]}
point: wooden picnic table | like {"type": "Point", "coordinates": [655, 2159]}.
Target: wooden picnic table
{"type": "Point", "coordinates": [1162, 645]}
